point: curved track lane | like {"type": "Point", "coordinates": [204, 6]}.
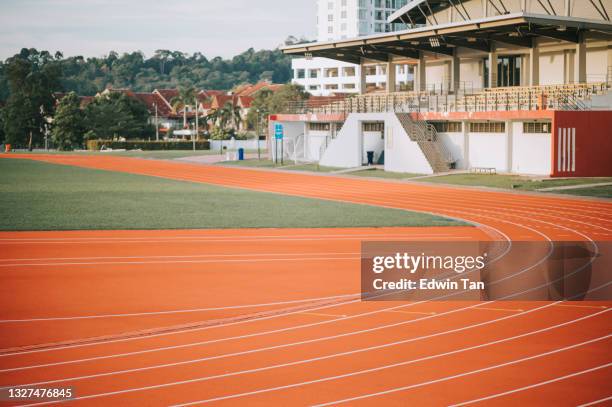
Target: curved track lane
{"type": "Point", "coordinates": [280, 345]}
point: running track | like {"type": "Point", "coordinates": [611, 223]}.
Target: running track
{"type": "Point", "coordinates": [269, 316]}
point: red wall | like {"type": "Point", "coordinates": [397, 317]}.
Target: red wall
{"type": "Point", "coordinates": [593, 142]}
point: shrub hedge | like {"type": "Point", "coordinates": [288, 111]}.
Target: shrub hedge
{"type": "Point", "coordinates": [146, 145]}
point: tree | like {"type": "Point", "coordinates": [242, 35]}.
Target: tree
{"type": "Point", "coordinates": [68, 123]}
{"type": "Point", "coordinates": [33, 77]}
{"type": "Point", "coordinates": [267, 102]}
{"type": "Point", "coordinates": [117, 115]}
{"type": "Point", "coordinates": [186, 98]}
{"type": "Point", "coordinates": [165, 69]}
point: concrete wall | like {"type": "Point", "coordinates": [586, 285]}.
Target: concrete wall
{"type": "Point", "coordinates": [314, 140]}
{"type": "Point", "coordinates": [401, 153]}
{"type": "Point", "coordinates": [551, 69]}
{"type": "Point", "coordinates": [455, 143]}
{"type": "Point", "coordinates": [531, 153]}
{"type": "Point", "coordinates": [488, 150]}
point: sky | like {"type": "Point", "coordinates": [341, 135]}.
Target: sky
{"type": "Point", "coordinates": [94, 27]}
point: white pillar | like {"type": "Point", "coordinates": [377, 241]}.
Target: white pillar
{"type": "Point", "coordinates": [466, 144]}
{"type": "Point", "coordinates": [362, 78]}
{"type": "Point", "coordinates": [493, 66]}
{"type": "Point", "coordinates": [509, 143]}
{"type": "Point", "coordinates": [390, 77]}
{"type": "Point", "coordinates": [608, 73]}
{"type": "Point", "coordinates": [534, 64]}
{"type": "Point", "coordinates": [421, 74]}
{"type": "Point", "coordinates": [580, 60]}
{"type": "Point", "coordinates": [568, 66]}
{"type": "Point", "coordinates": [455, 72]}
{"type": "Point", "coordinates": [567, 8]}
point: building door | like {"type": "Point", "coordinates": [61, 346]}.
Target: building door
{"type": "Point", "coordinates": [508, 71]}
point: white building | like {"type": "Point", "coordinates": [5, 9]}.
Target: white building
{"type": "Point", "coordinates": [341, 19]}
{"type": "Point", "coordinates": [526, 89]}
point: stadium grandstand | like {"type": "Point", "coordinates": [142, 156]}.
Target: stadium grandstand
{"type": "Point", "coordinates": [515, 86]}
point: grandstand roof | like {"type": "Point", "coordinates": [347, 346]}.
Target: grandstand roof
{"type": "Point", "coordinates": [518, 29]}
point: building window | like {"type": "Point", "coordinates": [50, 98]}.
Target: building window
{"type": "Point", "coordinates": [536, 127]}
{"type": "Point", "coordinates": [313, 73]}
{"type": "Point", "coordinates": [348, 86]}
{"type": "Point", "coordinates": [447, 127]}
{"type": "Point", "coordinates": [343, 14]}
{"type": "Point", "coordinates": [300, 74]}
{"type": "Point", "coordinates": [348, 71]}
{"type": "Point", "coordinates": [370, 70]}
{"type": "Point", "coordinates": [373, 126]}
{"type": "Point", "coordinates": [318, 126]}
{"type": "Point", "coordinates": [488, 127]}
{"type": "Point", "coordinates": [330, 72]}
{"type": "Point", "coordinates": [313, 87]}
{"type": "Point", "coordinates": [343, 27]}
{"type": "Point", "coordinates": [333, 86]}
{"type": "Point", "coordinates": [330, 17]}
{"type": "Point", "coordinates": [330, 29]}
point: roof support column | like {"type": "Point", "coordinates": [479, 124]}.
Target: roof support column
{"type": "Point", "coordinates": [534, 64]}
{"type": "Point", "coordinates": [420, 76]}
{"type": "Point", "coordinates": [455, 71]}
{"type": "Point", "coordinates": [568, 66]}
{"type": "Point", "coordinates": [580, 60]}
{"type": "Point", "coordinates": [493, 66]}
{"type": "Point", "coordinates": [362, 79]}
{"type": "Point", "coordinates": [390, 77]}
{"type": "Point", "coordinates": [608, 73]}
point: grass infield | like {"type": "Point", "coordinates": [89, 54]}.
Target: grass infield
{"type": "Point", "coordinates": [520, 183]}
{"type": "Point", "coordinates": [41, 196]}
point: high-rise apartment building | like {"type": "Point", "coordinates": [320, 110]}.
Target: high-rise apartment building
{"type": "Point", "coordinates": [341, 19]}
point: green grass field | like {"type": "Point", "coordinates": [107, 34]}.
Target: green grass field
{"type": "Point", "coordinates": [520, 183]}
{"type": "Point", "coordinates": [162, 154]}
{"type": "Point", "coordinates": [287, 165]}
{"type": "Point", "coordinates": [41, 196]}
{"type": "Point", "coordinates": [378, 173]}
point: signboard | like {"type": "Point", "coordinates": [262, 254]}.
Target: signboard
{"type": "Point", "coordinates": [278, 131]}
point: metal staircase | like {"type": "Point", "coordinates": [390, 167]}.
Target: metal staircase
{"type": "Point", "coordinates": [426, 136]}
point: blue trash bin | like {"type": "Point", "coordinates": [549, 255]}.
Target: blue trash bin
{"type": "Point", "coordinates": [240, 154]}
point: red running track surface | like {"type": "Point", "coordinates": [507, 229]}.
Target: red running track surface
{"type": "Point", "coordinates": [264, 317]}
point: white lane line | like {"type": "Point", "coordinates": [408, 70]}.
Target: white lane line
{"type": "Point", "coordinates": [594, 403]}
{"type": "Point", "coordinates": [320, 314]}
{"type": "Point", "coordinates": [583, 306]}
{"type": "Point", "coordinates": [189, 310]}
{"type": "Point", "coordinates": [72, 346]}
{"type": "Point", "coordinates": [217, 261]}
{"type": "Point", "coordinates": [330, 378]}
{"type": "Point", "coordinates": [412, 312]}
{"type": "Point", "coordinates": [513, 362]}
{"type": "Point", "coordinates": [501, 309]}
{"type": "Point", "coordinates": [255, 239]}
{"type": "Point", "coordinates": [189, 256]}
{"type": "Point", "coordinates": [286, 345]}
{"type": "Point", "coordinates": [556, 379]}
{"type": "Point", "coordinates": [265, 368]}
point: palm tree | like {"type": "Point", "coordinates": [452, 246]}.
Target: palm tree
{"type": "Point", "coordinates": [236, 115]}
{"type": "Point", "coordinates": [186, 98]}
{"type": "Point", "coordinates": [224, 115]}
